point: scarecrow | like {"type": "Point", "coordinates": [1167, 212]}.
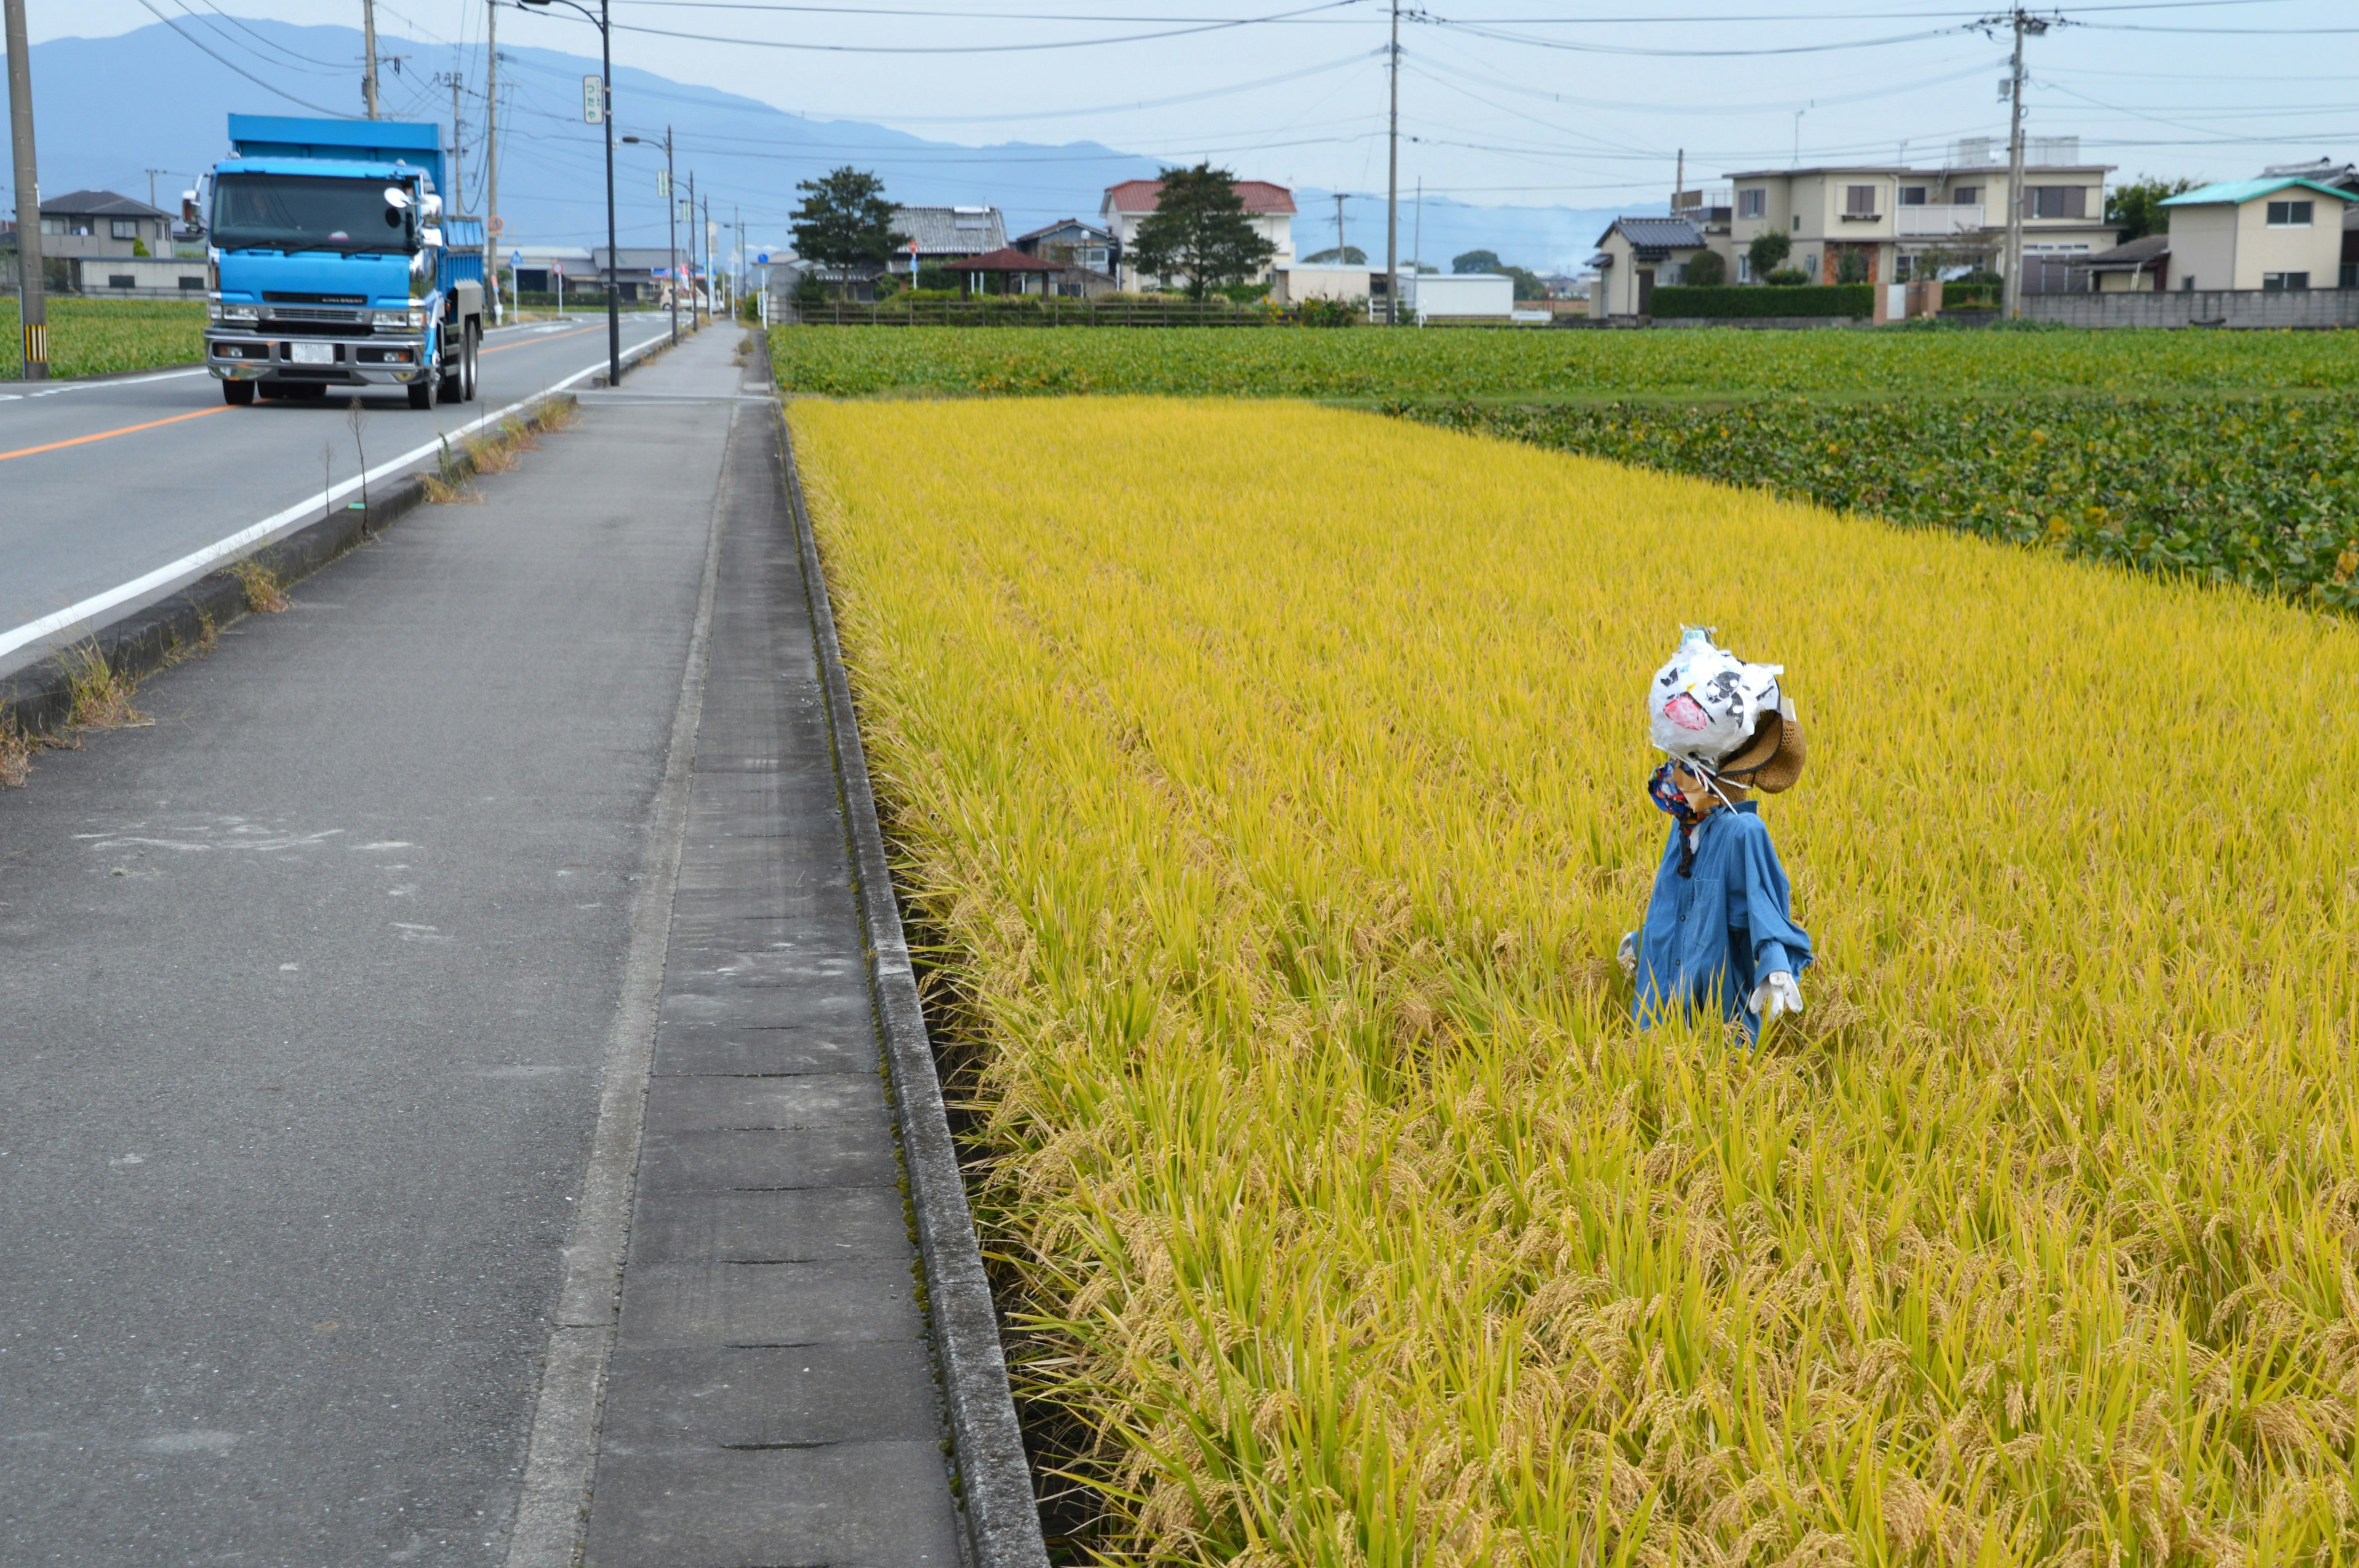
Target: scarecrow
{"type": "Point", "coordinates": [1718, 934]}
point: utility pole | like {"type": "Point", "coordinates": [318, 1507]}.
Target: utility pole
{"type": "Point", "coordinates": [368, 42]}
{"type": "Point", "coordinates": [709, 271]}
{"type": "Point", "coordinates": [695, 319]}
{"type": "Point", "coordinates": [1392, 183]}
{"type": "Point", "coordinates": [1340, 259]}
{"type": "Point", "coordinates": [1680, 182]}
{"type": "Point", "coordinates": [32, 311]}
{"type": "Point", "coordinates": [458, 157]}
{"type": "Point", "coordinates": [492, 153]}
{"type": "Point", "coordinates": [672, 234]}
{"type": "Point", "coordinates": [2023, 23]}
{"type": "Point", "coordinates": [151, 183]}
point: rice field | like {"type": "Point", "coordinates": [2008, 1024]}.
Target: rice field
{"type": "Point", "coordinates": [101, 337]}
{"type": "Point", "coordinates": [1369, 363]}
{"type": "Point", "coordinates": [1269, 783]}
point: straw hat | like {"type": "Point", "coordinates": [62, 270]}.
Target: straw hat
{"type": "Point", "coordinates": [1771, 760]}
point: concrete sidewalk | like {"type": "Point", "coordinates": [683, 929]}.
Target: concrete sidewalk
{"type": "Point", "coordinates": [311, 994]}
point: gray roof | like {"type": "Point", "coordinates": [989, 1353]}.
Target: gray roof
{"type": "Point", "coordinates": [952, 230]}
{"type": "Point", "coordinates": [97, 204]}
{"type": "Point", "coordinates": [1654, 238]}
{"type": "Point", "coordinates": [2137, 253]}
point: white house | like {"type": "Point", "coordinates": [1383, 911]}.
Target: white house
{"type": "Point", "coordinates": [1269, 207]}
{"type": "Point", "coordinates": [2281, 233]}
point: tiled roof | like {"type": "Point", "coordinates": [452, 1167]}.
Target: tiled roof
{"type": "Point", "coordinates": [97, 204]}
{"type": "Point", "coordinates": [2137, 253]}
{"type": "Point", "coordinates": [1007, 260]}
{"type": "Point", "coordinates": [1060, 226]}
{"type": "Point", "coordinates": [950, 230]}
{"type": "Point", "coordinates": [1656, 234]}
{"type": "Point", "coordinates": [1140, 196]}
{"type": "Point", "coordinates": [2235, 192]}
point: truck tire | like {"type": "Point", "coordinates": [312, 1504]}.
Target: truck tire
{"type": "Point", "coordinates": [469, 386]}
{"type": "Point", "coordinates": [238, 393]}
{"type": "Point", "coordinates": [421, 393]}
{"type": "Point", "coordinates": [454, 373]}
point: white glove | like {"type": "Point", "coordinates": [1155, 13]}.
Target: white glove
{"type": "Point", "coordinates": [1775, 995]}
{"type": "Point", "coordinates": [1628, 954]}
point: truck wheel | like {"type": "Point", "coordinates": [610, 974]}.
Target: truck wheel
{"type": "Point", "coordinates": [422, 394]}
{"type": "Point", "coordinates": [454, 374]}
{"type": "Point", "coordinates": [238, 393]}
{"type": "Point", "coordinates": [468, 385]}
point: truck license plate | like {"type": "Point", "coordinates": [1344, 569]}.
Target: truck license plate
{"type": "Point", "coordinates": [312, 353]}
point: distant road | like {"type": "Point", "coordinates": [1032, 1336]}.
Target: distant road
{"type": "Point", "coordinates": [111, 483]}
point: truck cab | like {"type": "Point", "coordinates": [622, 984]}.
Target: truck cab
{"type": "Point", "coordinates": [333, 263]}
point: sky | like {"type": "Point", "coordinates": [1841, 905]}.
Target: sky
{"type": "Point", "coordinates": [1585, 103]}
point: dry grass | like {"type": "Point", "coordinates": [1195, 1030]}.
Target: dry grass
{"type": "Point", "coordinates": [17, 749]}
{"type": "Point", "coordinates": [264, 593]}
{"type": "Point", "coordinates": [1269, 780]}
{"type": "Point", "coordinates": [101, 697]}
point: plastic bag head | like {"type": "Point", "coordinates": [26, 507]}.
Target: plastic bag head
{"type": "Point", "coordinates": [1704, 704]}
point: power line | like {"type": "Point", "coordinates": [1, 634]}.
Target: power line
{"type": "Point", "coordinates": [267, 87]}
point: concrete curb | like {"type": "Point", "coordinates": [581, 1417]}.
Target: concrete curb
{"type": "Point", "coordinates": [1002, 1517]}
{"type": "Point", "coordinates": [39, 699]}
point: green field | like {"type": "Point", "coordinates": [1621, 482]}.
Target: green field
{"type": "Point", "coordinates": [100, 337]}
{"type": "Point", "coordinates": [1555, 364]}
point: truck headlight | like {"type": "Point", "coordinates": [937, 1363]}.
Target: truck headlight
{"type": "Point", "coordinates": [414, 318]}
{"type": "Point", "coordinates": [231, 313]}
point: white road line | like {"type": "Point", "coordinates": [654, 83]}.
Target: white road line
{"type": "Point", "coordinates": [190, 567]}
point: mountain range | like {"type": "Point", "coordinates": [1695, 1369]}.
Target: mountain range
{"type": "Point", "coordinates": [144, 111]}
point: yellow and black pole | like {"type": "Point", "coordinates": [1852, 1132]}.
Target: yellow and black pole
{"type": "Point", "coordinates": [32, 311]}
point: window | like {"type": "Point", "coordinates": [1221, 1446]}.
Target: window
{"type": "Point", "coordinates": [2291, 214]}
{"type": "Point", "coordinates": [1859, 202]}
{"type": "Point", "coordinates": [1967, 196]}
{"type": "Point", "coordinates": [2056, 201]}
{"type": "Point", "coordinates": [1744, 268]}
{"type": "Point", "coordinates": [1901, 267]}
{"type": "Point", "coordinates": [2283, 281]}
{"type": "Point", "coordinates": [1798, 222]}
{"type": "Point", "coordinates": [53, 225]}
{"type": "Point", "coordinates": [1912, 196]}
{"type": "Point", "coordinates": [128, 228]}
{"type": "Point", "coordinates": [2350, 279]}
{"type": "Point", "coordinates": [192, 282]}
{"type": "Point", "coordinates": [121, 280]}
{"type": "Point", "coordinates": [1752, 203]}
{"type": "Point", "coordinates": [2187, 283]}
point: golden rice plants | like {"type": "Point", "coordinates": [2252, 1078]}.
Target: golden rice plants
{"type": "Point", "coordinates": [1269, 780]}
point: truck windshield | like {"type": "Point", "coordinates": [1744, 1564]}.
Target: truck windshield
{"type": "Point", "coordinates": [306, 212]}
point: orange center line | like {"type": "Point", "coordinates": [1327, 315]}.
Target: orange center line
{"type": "Point", "coordinates": [110, 435]}
{"type": "Point", "coordinates": [548, 337]}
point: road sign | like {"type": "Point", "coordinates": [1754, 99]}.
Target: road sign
{"type": "Point", "coordinates": [663, 182]}
{"type": "Point", "coordinates": [496, 225]}
{"type": "Point", "coordinates": [516, 258]}
{"type": "Point", "coordinates": [762, 260]}
{"type": "Point", "coordinates": [593, 100]}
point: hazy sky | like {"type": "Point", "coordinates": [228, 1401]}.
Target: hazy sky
{"type": "Point", "coordinates": [1583, 103]}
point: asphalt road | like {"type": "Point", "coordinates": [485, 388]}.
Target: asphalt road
{"type": "Point", "coordinates": [108, 481]}
{"type": "Point", "coordinates": [306, 991]}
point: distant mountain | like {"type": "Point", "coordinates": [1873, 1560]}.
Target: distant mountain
{"type": "Point", "coordinates": [109, 110]}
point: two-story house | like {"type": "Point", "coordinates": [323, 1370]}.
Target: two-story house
{"type": "Point", "coordinates": [101, 224]}
{"type": "Point", "coordinates": [940, 236]}
{"type": "Point", "coordinates": [1088, 254]}
{"type": "Point", "coordinates": [2272, 235]}
{"type": "Point", "coordinates": [1269, 207]}
{"type": "Point", "coordinates": [1899, 218]}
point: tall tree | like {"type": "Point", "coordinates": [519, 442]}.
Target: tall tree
{"type": "Point", "coordinates": [1477, 261]}
{"type": "Point", "coordinates": [2135, 209]}
{"type": "Point", "coordinates": [1198, 231]}
{"type": "Point", "coordinates": [845, 220]}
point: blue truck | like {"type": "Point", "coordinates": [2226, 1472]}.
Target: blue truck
{"type": "Point", "coordinates": [333, 263]}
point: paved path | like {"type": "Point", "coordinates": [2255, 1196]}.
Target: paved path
{"type": "Point", "coordinates": [309, 992]}
{"type": "Point", "coordinates": [107, 480]}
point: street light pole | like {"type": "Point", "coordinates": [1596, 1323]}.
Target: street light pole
{"type": "Point", "coordinates": [671, 236]}
{"type": "Point", "coordinates": [606, 117]}
{"type": "Point", "coordinates": [1392, 184]}
{"type": "Point", "coordinates": [32, 312]}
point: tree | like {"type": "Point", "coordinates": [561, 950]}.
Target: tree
{"type": "Point", "coordinates": [1851, 267]}
{"type": "Point", "coordinates": [1527, 283]}
{"type": "Point", "coordinates": [2135, 209]}
{"type": "Point", "coordinates": [1198, 231]}
{"type": "Point", "coordinates": [1478, 261]}
{"type": "Point", "coordinates": [1349, 255]}
{"type": "Point", "coordinates": [1768, 251]}
{"type": "Point", "coordinates": [1706, 270]}
{"type": "Point", "coordinates": [845, 221]}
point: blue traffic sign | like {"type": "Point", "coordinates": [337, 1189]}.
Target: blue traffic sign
{"type": "Point", "coordinates": [762, 260]}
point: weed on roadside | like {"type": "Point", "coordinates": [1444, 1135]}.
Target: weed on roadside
{"type": "Point", "coordinates": [208, 638]}
{"type": "Point", "coordinates": [560, 413]}
{"type": "Point", "coordinates": [264, 593]}
{"type": "Point", "coordinates": [101, 697]}
{"type": "Point", "coordinates": [448, 481]}
{"type": "Point", "coordinates": [17, 749]}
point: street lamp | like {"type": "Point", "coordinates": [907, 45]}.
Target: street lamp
{"type": "Point", "coordinates": [606, 116]}
{"type": "Point", "coordinates": [672, 234]}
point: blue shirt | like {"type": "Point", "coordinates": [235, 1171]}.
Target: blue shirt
{"type": "Point", "coordinates": [1711, 935]}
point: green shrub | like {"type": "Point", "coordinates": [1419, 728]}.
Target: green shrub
{"type": "Point", "coordinates": [1681, 302]}
{"type": "Point", "coordinates": [1787, 277]}
{"type": "Point", "coordinates": [1768, 251]}
{"type": "Point", "coordinates": [1706, 270]}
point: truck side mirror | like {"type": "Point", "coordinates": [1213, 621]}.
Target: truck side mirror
{"type": "Point", "coordinates": [189, 207]}
{"type": "Point", "coordinates": [430, 238]}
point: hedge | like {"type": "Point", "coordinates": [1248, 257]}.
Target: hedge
{"type": "Point", "coordinates": [1683, 302]}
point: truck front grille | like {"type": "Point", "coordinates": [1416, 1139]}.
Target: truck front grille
{"type": "Point", "coordinates": [276, 311]}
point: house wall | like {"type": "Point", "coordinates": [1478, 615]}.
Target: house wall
{"type": "Point", "coordinates": [2313, 307]}
{"type": "Point", "coordinates": [2204, 246]}
{"type": "Point", "coordinates": [1462, 294]}
{"type": "Point", "coordinates": [156, 232]}
{"type": "Point", "coordinates": [139, 277]}
{"type": "Point", "coordinates": [2260, 249]}
{"type": "Point", "coordinates": [1277, 228]}
{"type": "Point", "coordinates": [1292, 286]}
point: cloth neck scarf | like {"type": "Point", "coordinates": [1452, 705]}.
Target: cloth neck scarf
{"type": "Point", "coordinates": [1669, 800]}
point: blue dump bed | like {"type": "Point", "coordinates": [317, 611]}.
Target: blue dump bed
{"type": "Point", "coordinates": [364, 149]}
